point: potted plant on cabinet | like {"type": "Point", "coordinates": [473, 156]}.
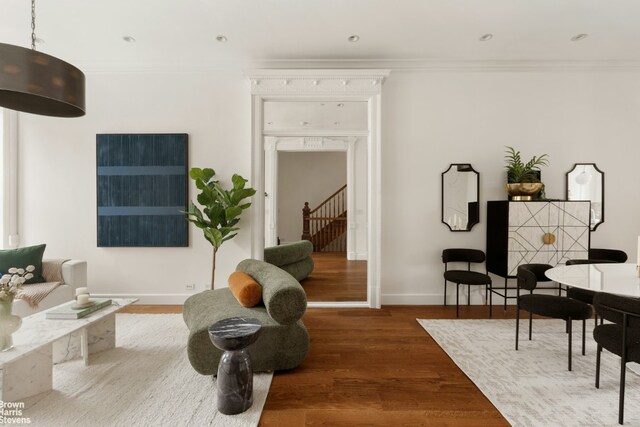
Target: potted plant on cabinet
{"type": "Point", "coordinates": [523, 182]}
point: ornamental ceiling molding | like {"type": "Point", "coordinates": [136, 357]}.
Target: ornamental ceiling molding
{"type": "Point", "coordinates": [308, 143]}
{"type": "Point", "coordinates": [316, 82]}
{"type": "Point", "coordinates": [408, 65]}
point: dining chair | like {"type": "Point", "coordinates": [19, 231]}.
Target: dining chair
{"type": "Point", "coordinates": [621, 337]}
{"type": "Point", "coordinates": [612, 255]}
{"type": "Point", "coordinates": [596, 256]}
{"type": "Point", "coordinates": [585, 295]}
{"type": "Point", "coordinates": [554, 306]}
{"type": "Point", "coordinates": [589, 261]}
{"type": "Point", "coordinates": [466, 277]}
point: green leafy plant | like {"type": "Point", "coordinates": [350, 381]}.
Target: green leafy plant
{"type": "Point", "coordinates": [518, 171]}
{"type": "Point", "coordinates": [220, 208]}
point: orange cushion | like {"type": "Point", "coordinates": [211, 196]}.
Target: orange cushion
{"type": "Point", "coordinates": [247, 291]}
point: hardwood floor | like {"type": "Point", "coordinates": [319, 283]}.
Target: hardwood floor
{"type": "Point", "coordinates": [375, 368]}
{"type": "Point", "coordinates": [334, 278]}
{"type": "Point", "coordinates": [151, 309]}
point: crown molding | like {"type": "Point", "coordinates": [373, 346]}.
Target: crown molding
{"type": "Point", "coordinates": [311, 82]}
{"type": "Point", "coordinates": [518, 66]}
{"type": "Point", "coordinates": [302, 133]}
{"type": "Point", "coordinates": [363, 65]}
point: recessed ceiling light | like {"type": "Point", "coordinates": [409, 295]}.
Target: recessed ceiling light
{"type": "Point", "coordinates": [129, 39]}
{"type": "Point", "coordinates": [354, 38]}
{"type": "Point", "coordinates": [486, 37]}
{"type": "Point", "coordinates": [579, 37]}
{"type": "Point", "coordinates": [222, 38]}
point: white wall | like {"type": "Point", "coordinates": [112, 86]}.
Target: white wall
{"type": "Point", "coordinates": [306, 177]}
{"type": "Point", "coordinates": [430, 119]}
{"type": "Point", "coordinates": [2, 178]}
{"type": "Point", "coordinates": [58, 175]}
{"type": "Point", "coordinates": [9, 179]}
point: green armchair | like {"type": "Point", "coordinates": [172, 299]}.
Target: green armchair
{"type": "Point", "coordinates": [283, 342]}
{"type": "Point", "coordinates": [294, 258]}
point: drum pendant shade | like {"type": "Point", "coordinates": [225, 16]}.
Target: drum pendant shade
{"type": "Point", "coordinates": [34, 82]}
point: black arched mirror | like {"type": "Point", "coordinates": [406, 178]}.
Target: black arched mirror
{"type": "Point", "coordinates": [586, 182]}
{"type": "Point", "coordinates": [460, 196]}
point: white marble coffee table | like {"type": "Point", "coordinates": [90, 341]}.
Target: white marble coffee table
{"type": "Point", "coordinates": [27, 369]}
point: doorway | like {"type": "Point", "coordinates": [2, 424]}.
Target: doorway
{"type": "Point", "coordinates": [313, 205]}
{"type": "Point", "coordinates": [284, 104]}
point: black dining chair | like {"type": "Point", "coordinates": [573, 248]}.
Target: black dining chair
{"type": "Point", "coordinates": [585, 295]}
{"type": "Point", "coordinates": [554, 306]}
{"type": "Point", "coordinates": [589, 261]}
{"type": "Point", "coordinates": [612, 255]}
{"type": "Point", "coordinates": [466, 277]}
{"type": "Point", "coordinates": [621, 337]}
{"type": "Point", "coordinates": [603, 256]}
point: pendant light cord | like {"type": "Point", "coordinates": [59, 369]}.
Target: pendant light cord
{"type": "Point", "coordinates": [33, 24]}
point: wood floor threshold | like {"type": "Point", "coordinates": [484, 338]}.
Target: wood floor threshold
{"type": "Point", "coordinates": [334, 278]}
{"type": "Point", "coordinates": [370, 367]}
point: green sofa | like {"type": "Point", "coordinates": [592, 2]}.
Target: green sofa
{"type": "Point", "coordinates": [294, 258]}
{"type": "Point", "coordinates": [283, 342]}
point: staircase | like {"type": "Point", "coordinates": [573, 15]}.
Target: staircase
{"type": "Point", "coordinates": [325, 225]}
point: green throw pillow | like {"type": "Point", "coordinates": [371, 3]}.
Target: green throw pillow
{"type": "Point", "coordinates": [22, 257]}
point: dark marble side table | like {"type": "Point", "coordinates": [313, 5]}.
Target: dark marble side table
{"type": "Point", "coordinates": [235, 375]}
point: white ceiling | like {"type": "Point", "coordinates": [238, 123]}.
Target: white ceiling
{"type": "Point", "coordinates": [181, 33]}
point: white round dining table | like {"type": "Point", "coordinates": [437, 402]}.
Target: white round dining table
{"type": "Point", "coordinates": [621, 279]}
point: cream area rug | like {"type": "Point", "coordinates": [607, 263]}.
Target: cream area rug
{"type": "Point", "coordinates": [531, 386]}
{"type": "Point", "coordinates": [145, 381]}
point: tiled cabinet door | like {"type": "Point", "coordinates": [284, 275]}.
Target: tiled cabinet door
{"type": "Point", "coordinates": [565, 223]}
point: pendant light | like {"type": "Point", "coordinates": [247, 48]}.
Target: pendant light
{"type": "Point", "coordinates": [38, 83]}
{"type": "Point", "coordinates": [583, 177]}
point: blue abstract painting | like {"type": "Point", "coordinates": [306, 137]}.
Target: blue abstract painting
{"type": "Point", "coordinates": [142, 187]}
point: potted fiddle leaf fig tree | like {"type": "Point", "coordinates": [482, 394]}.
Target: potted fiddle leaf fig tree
{"type": "Point", "coordinates": [522, 178]}
{"type": "Point", "coordinates": [220, 208]}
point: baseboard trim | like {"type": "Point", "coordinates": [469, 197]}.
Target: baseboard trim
{"type": "Point", "coordinates": [151, 299]}
{"type": "Point", "coordinates": [338, 304]}
{"type": "Point", "coordinates": [179, 299]}
{"type": "Point", "coordinates": [438, 299]}
{"type": "Point", "coordinates": [387, 299]}
{"type": "Point", "coordinates": [354, 256]}
{"type": "Point", "coordinates": [411, 299]}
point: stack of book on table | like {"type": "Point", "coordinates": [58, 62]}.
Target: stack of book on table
{"type": "Point", "coordinates": [67, 311]}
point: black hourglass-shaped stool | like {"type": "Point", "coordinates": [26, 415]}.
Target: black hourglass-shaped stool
{"type": "Point", "coordinates": [235, 375]}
